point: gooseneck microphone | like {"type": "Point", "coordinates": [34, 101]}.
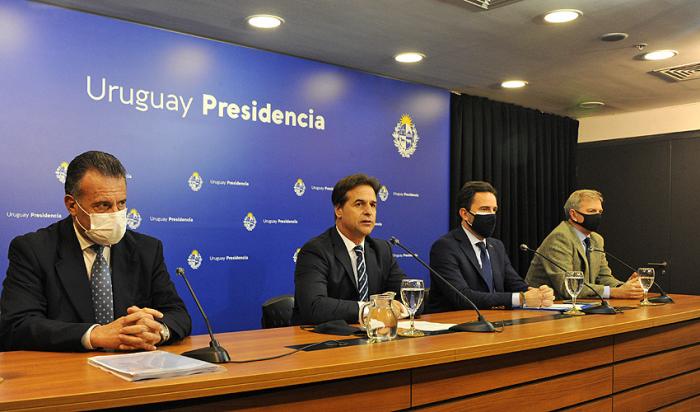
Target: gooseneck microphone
{"type": "Point", "coordinates": [603, 309]}
{"type": "Point", "coordinates": [215, 353]}
{"type": "Point", "coordinates": [480, 325]}
{"type": "Point", "coordinates": [664, 298]}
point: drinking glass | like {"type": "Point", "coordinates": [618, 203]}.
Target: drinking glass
{"type": "Point", "coordinates": [412, 291]}
{"type": "Point", "coordinates": [573, 281]}
{"type": "Point", "coordinates": [646, 279]}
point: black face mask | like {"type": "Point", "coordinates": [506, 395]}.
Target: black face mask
{"type": "Point", "coordinates": [590, 222]}
{"type": "Point", "coordinates": [483, 225]}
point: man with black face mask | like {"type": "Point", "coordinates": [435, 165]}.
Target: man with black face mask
{"type": "Point", "coordinates": [575, 245]}
{"type": "Point", "coordinates": [85, 282]}
{"type": "Point", "coordinates": [477, 264]}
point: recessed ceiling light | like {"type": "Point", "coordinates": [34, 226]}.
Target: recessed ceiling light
{"type": "Point", "coordinates": [562, 16]}
{"type": "Point", "coordinates": [410, 57]}
{"type": "Point", "coordinates": [614, 36]}
{"type": "Point", "coordinates": [513, 84]}
{"type": "Point", "coordinates": [265, 21]}
{"type": "Point", "coordinates": [591, 105]}
{"type": "Point", "coordinates": [660, 55]}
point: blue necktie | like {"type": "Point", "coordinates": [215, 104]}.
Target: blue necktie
{"type": "Point", "coordinates": [362, 285]}
{"type": "Point", "coordinates": [486, 266]}
{"type": "Point", "coordinates": [101, 288]}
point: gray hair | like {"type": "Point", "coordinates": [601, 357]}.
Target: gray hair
{"type": "Point", "coordinates": [574, 201]}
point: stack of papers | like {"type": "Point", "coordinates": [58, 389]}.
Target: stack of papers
{"type": "Point", "coordinates": [149, 365]}
{"type": "Point", "coordinates": [560, 307]}
{"type": "Point", "coordinates": [426, 326]}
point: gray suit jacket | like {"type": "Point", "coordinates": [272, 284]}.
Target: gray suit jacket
{"type": "Point", "coordinates": [564, 247]}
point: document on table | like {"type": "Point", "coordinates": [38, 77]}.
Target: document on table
{"type": "Point", "coordinates": [149, 365]}
{"type": "Point", "coordinates": [560, 307]}
{"type": "Point", "coordinates": [426, 326]}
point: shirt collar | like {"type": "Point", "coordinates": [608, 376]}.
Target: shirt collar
{"type": "Point", "coordinates": [472, 238]}
{"type": "Point", "coordinates": [580, 235]}
{"type": "Point", "coordinates": [85, 243]}
{"type": "Point", "coordinates": [349, 244]}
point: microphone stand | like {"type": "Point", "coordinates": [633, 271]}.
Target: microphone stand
{"type": "Point", "coordinates": [214, 353]}
{"type": "Point", "coordinates": [664, 298]}
{"type": "Point", "coordinates": [603, 308]}
{"type": "Point", "coordinates": [480, 325]}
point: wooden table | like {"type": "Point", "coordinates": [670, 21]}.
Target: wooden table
{"type": "Point", "coordinates": [643, 359]}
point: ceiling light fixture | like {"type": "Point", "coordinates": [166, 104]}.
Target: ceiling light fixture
{"type": "Point", "coordinates": [410, 57]}
{"type": "Point", "coordinates": [513, 84]}
{"type": "Point", "coordinates": [591, 105]}
{"type": "Point", "coordinates": [660, 55]}
{"type": "Point", "coordinates": [562, 16]}
{"type": "Point", "coordinates": [265, 21]}
{"type": "Point", "coordinates": [614, 36]}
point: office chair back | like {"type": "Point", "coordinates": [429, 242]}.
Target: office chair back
{"type": "Point", "coordinates": [277, 312]}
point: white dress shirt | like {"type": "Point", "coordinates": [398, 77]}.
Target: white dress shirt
{"type": "Point", "coordinates": [515, 297]}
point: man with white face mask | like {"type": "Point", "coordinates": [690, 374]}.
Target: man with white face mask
{"type": "Point", "coordinates": [86, 282]}
{"type": "Point", "coordinates": [477, 264]}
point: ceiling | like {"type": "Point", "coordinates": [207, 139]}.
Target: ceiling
{"type": "Point", "coordinates": [468, 49]}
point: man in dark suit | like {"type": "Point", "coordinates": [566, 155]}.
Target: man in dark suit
{"type": "Point", "coordinates": [337, 271]}
{"type": "Point", "coordinates": [477, 264]}
{"type": "Point", "coordinates": [86, 282]}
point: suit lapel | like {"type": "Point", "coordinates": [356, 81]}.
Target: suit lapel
{"type": "Point", "coordinates": [70, 268]}
{"type": "Point", "coordinates": [468, 250]}
{"type": "Point", "coordinates": [341, 254]}
{"type": "Point", "coordinates": [373, 275]}
{"type": "Point", "coordinates": [596, 257]}
{"type": "Point", "coordinates": [124, 272]}
{"type": "Point", "coordinates": [496, 268]}
{"type": "Point", "coordinates": [581, 252]}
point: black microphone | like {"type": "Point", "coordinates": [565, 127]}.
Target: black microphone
{"type": "Point", "coordinates": [215, 353]}
{"type": "Point", "coordinates": [664, 298]}
{"type": "Point", "coordinates": [481, 324]}
{"type": "Point", "coordinates": [603, 309]}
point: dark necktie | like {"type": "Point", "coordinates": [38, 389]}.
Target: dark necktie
{"type": "Point", "coordinates": [101, 288]}
{"type": "Point", "coordinates": [486, 266]}
{"type": "Point", "coordinates": [587, 241]}
{"type": "Point", "coordinates": [362, 285]}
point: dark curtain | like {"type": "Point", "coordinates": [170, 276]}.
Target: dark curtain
{"type": "Point", "coordinates": [529, 157]}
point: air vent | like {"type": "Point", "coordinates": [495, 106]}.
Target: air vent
{"type": "Point", "coordinates": [489, 4]}
{"type": "Point", "coordinates": [679, 73]}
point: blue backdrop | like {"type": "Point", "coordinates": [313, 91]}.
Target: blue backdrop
{"type": "Point", "coordinates": [231, 152]}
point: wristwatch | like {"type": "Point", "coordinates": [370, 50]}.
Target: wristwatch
{"type": "Point", "coordinates": [164, 333]}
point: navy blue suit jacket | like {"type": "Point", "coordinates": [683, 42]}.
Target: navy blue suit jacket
{"type": "Point", "coordinates": [453, 257]}
{"type": "Point", "coordinates": [324, 283]}
{"type": "Point", "coordinates": [46, 301]}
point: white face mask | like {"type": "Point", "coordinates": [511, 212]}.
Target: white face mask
{"type": "Point", "coordinates": [106, 229]}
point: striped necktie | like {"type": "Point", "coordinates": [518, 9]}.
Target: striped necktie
{"type": "Point", "coordinates": [362, 285]}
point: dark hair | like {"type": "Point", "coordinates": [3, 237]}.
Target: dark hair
{"type": "Point", "coordinates": [467, 192]}
{"type": "Point", "coordinates": [344, 185]}
{"type": "Point", "coordinates": [104, 163]}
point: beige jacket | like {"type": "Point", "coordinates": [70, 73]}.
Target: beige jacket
{"type": "Point", "coordinates": [564, 247]}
